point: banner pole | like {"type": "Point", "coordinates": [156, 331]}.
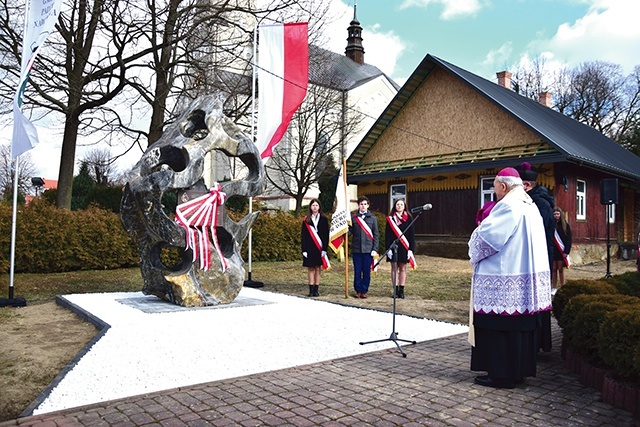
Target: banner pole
{"type": "Point", "coordinates": [250, 283]}
{"type": "Point", "coordinates": [346, 237]}
{"type": "Point", "coordinates": [13, 227]}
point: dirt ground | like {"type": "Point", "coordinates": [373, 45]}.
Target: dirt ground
{"type": "Point", "coordinates": [40, 339]}
{"type": "Point", "coordinates": [37, 342]}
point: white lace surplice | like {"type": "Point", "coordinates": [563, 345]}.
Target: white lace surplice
{"type": "Point", "coordinates": [509, 253]}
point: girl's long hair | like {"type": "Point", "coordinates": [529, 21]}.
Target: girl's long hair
{"type": "Point", "coordinates": [563, 221]}
{"type": "Point", "coordinates": [307, 218]}
{"type": "Point", "coordinates": [406, 208]}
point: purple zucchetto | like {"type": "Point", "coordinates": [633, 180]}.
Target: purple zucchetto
{"type": "Point", "coordinates": [509, 172]}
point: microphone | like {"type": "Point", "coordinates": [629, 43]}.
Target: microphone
{"type": "Point", "coordinates": [422, 208]}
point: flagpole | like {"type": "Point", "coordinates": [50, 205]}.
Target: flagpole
{"type": "Point", "coordinates": [13, 226]}
{"type": "Point", "coordinates": [346, 238]}
{"type": "Point", "coordinates": [17, 99]}
{"type": "Point", "coordinates": [249, 282]}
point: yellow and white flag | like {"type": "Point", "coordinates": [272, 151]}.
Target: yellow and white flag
{"type": "Point", "coordinates": [340, 220]}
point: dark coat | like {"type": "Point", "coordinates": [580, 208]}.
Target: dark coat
{"type": "Point", "coordinates": [313, 258]}
{"type": "Point", "coordinates": [390, 236]}
{"type": "Point", "coordinates": [545, 203]}
{"type": "Point", "coordinates": [566, 239]}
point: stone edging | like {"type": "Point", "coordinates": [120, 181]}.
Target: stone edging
{"type": "Point", "coordinates": [617, 393]}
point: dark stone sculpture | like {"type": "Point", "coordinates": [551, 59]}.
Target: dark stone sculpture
{"type": "Point", "coordinates": [176, 163]}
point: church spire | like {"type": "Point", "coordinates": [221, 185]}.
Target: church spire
{"type": "Point", "coordinates": [354, 49]}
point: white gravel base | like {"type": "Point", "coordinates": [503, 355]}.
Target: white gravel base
{"type": "Point", "coordinates": [148, 352]}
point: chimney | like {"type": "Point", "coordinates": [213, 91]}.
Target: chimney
{"type": "Point", "coordinates": [504, 79]}
{"type": "Point", "coordinates": [544, 98]}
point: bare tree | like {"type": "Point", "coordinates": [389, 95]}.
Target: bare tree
{"type": "Point", "coordinates": [599, 95]}
{"type": "Point", "coordinates": [26, 171]}
{"type": "Point", "coordinates": [82, 70]}
{"type": "Point", "coordinates": [530, 80]}
{"type": "Point", "coordinates": [113, 53]}
{"type": "Point", "coordinates": [318, 130]}
{"type": "Point", "coordinates": [100, 165]}
{"type": "Point", "coordinates": [595, 93]}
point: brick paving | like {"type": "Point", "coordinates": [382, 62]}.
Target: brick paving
{"type": "Point", "coordinates": [432, 386]}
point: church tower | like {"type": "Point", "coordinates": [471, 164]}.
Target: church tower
{"type": "Point", "coordinates": [354, 49]}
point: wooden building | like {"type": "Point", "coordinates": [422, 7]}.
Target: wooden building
{"type": "Point", "coordinates": [447, 133]}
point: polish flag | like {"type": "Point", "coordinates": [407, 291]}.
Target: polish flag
{"type": "Point", "coordinates": [283, 74]}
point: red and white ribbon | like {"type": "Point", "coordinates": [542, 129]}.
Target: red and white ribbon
{"type": "Point", "coordinates": [364, 226]}
{"type": "Point", "coordinates": [318, 242]}
{"type": "Point", "coordinates": [560, 245]}
{"type": "Point", "coordinates": [367, 231]}
{"type": "Point", "coordinates": [405, 242]}
{"type": "Point", "coordinates": [199, 216]}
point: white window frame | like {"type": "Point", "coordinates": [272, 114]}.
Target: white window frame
{"type": "Point", "coordinates": [397, 191]}
{"type": "Point", "coordinates": [487, 192]}
{"type": "Point", "coordinates": [581, 200]}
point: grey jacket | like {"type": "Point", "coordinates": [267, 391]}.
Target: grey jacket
{"type": "Point", "coordinates": [360, 243]}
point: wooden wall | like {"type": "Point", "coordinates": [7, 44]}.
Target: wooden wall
{"type": "Point", "coordinates": [453, 213]}
{"type": "Point", "coordinates": [447, 116]}
{"type": "Point", "coordinates": [455, 204]}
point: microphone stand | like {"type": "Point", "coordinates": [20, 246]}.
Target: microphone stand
{"type": "Point", "coordinates": [393, 247]}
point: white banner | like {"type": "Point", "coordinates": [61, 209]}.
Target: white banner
{"type": "Point", "coordinates": [40, 19]}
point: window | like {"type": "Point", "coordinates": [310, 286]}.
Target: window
{"type": "Point", "coordinates": [397, 191]}
{"type": "Point", "coordinates": [486, 191]}
{"type": "Point", "coordinates": [581, 199]}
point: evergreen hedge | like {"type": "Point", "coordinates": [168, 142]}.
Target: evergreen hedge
{"type": "Point", "coordinates": [603, 323]}
{"type": "Point", "coordinates": [578, 287]}
{"type": "Point", "coordinates": [54, 240]}
{"type": "Point", "coordinates": [620, 334]}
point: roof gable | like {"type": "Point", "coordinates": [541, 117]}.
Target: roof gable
{"type": "Point", "coordinates": [570, 140]}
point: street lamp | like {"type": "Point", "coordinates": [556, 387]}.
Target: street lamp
{"type": "Point", "coordinates": [38, 183]}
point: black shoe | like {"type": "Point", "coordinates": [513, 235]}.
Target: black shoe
{"type": "Point", "coordinates": [401, 292]}
{"type": "Point", "coordinates": [310, 290]}
{"type": "Point", "coordinates": [487, 381]}
{"type": "Point", "coordinates": [315, 290]}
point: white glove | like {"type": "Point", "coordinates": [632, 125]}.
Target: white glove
{"type": "Point", "coordinates": [304, 254]}
{"type": "Point", "coordinates": [374, 253]}
{"type": "Point", "coordinates": [323, 254]}
{"type": "Point", "coordinates": [390, 254]}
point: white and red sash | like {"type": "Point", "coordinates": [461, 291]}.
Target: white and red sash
{"type": "Point", "coordinates": [318, 242]}
{"type": "Point", "coordinates": [198, 215]}
{"type": "Point", "coordinates": [367, 231]}
{"type": "Point", "coordinates": [560, 245]}
{"type": "Point", "coordinates": [403, 239]}
{"type": "Point", "coordinates": [365, 227]}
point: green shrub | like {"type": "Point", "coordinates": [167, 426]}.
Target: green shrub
{"type": "Point", "coordinates": [275, 237]}
{"type": "Point", "coordinates": [619, 341]}
{"type": "Point", "coordinates": [578, 287]}
{"type": "Point", "coordinates": [56, 240]}
{"type": "Point", "coordinates": [585, 313]}
{"type": "Point", "coordinates": [627, 283]}
{"type": "Point", "coordinates": [105, 197]}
